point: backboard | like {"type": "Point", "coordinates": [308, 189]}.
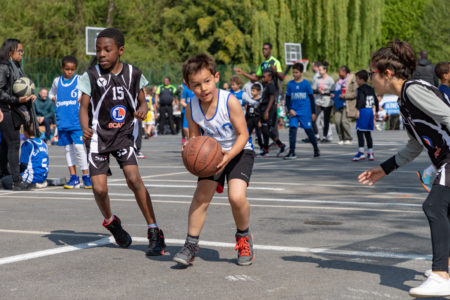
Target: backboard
{"type": "Point", "coordinates": [292, 53]}
{"type": "Point", "coordinates": [91, 38]}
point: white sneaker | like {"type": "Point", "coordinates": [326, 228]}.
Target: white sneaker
{"type": "Point", "coordinates": [341, 142]}
{"type": "Point", "coordinates": [435, 285]}
{"type": "Point", "coordinates": [41, 185]}
{"type": "Point", "coordinates": [348, 142]}
{"type": "Point", "coordinates": [428, 272]}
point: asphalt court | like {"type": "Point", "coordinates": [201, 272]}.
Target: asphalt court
{"type": "Point", "coordinates": [318, 233]}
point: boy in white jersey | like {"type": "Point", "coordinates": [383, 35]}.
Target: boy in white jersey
{"type": "Point", "coordinates": [112, 99]}
{"type": "Point", "coordinates": [218, 114]}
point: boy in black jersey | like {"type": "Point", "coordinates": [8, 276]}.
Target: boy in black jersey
{"type": "Point", "coordinates": [112, 99]}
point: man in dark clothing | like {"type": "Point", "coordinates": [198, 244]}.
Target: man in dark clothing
{"type": "Point", "coordinates": [425, 69]}
{"type": "Point", "coordinates": [45, 112]}
{"type": "Point", "coordinates": [164, 101]}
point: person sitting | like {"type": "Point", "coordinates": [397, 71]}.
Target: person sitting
{"type": "Point", "coordinates": [45, 112]}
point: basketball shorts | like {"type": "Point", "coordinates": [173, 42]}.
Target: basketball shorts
{"type": "Point", "coordinates": [150, 119]}
{"type": "Point", "coordinates": [365, 120]}
{"type": "Point", "coordinates": [185, 122]}
{"type": "Point", "coordinates": [99, 162]}
{"type": "Point", "coordinates": [240, 167]}
{"type": "Point", "coordinates": [305, 121]}
{"type": "Point", "coordinates": [67, 137]}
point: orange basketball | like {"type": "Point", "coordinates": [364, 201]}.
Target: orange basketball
{"type": "Point", "coordinates": [201, 155]}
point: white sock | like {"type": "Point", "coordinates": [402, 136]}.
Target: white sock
{"type": "Point", "coordinates": [361, 149]}
{"type": "Point", "coordinates": [370, 151]}
{"type": "Point", "coordinates": [430, 170]}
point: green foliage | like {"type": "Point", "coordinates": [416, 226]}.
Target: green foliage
{"type": "Point", "coordinates": [161, 35]}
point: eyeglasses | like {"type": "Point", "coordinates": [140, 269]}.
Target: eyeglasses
{"type": "Point", "coordinates": [20, 51]}
{"type": "Point", "coordinates": [371, 74]}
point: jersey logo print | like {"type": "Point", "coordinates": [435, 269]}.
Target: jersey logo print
{"type": "Point", "coordinates": [102, 82]}
{"type": "Point", "coordinates": [118, 113]}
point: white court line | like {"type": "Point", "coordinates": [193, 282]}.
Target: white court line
{"type": "Point", "coordinates": [105, 241]}
{"type": "Point", "coordinates": [337, 202]}
{"type": "Point", "coordinates": [37, 254]}
{"type": "Point", "coordinates": [192, 186]}
{"type": "Point", "coordinates": [227, 204]}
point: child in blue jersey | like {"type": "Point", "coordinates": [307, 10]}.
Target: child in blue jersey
{"type": "Point", "coordinates": [236, 90]}
{"type": "Point", "coordinates": [366, 100]}
{"type": "Point", "coordinates": [218, 114]}
{"type": "Point", "coordinates": [186, 97]}
{"type": "Point", "coordinates": [65, 94]}
{"type": "Point", "coordinates": [301, 109]}
{"type": "Point", "coordinates": [34, 160]}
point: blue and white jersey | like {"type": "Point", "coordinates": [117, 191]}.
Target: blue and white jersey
{"type": "Point", "coordinates": [67, 105]}
{"type": "Point", "coordinates": [219, 126]}
{"type": "Point", "coordinates": [299, 93]}
{"type": "Point", "coordinates": [390, 104]}
{"type": "Point", "coordinates": [34, 153]}
{"type": "Point", "coordinates": [187, 95]}
{"type": "Point", "coordinates": [238, 96]}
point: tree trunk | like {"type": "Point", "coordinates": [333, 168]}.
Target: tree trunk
{"type": "Point", "coordinates": [109, 19]}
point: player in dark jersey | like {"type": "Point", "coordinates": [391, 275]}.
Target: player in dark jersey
{"type": "Point", "coordinates": [112, 99]}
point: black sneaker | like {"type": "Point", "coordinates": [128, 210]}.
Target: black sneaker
{"type": "Point", "coordinates": [263, 152]}
{"type": "Point", "coordinates": [281, 150]}
{"type": "Point", "coordinates": [290, 155]}
{"type": "Point", "coordinates": [187, 254]}
{"type": "Point", "coordinates": [316, 153]}
{"type": "Point", "coordinates": [21, 186]}
{"type": "Point", "coordinates": [123, 239]}
{"type": "Point", "coordinates": [156, 244]}
{"type": "Point", "coordinates": [306, 140]}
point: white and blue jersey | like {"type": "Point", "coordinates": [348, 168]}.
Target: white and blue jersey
{"type": "Point", "coordinates": [390, 105]}
{"type": "Point", "coordinates": [299, 93]}
{"type": "Point", "coordinates": [219, 126]}
{"type": "Point", "coordinates": [67, 105]}
{"type": "Point", "coordinates": [34, 154]}
{"type": "Point", "coordinates": [238, 96]}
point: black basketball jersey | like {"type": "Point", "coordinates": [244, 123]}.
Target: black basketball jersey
{"type": "Point", "coordinates": [434, 137]}
{"type": "Point", "coordinates": [112, 106]}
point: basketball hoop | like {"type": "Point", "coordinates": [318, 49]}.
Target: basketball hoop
{"type": "Point", "coordinates": [305, 63]}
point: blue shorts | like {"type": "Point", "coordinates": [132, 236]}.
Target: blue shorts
{"type": "Point", "coordinates": [305, 121]}
{"type": "Point", "coordinates": [185, 122]}
{"type": "Point", "coordinates": [67, 137]}
{"type": "Point", "coordinates": [365, 120]}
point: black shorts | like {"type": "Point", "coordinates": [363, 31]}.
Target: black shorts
{"type": "Point", "coordinates": [240, 167]}
{"type": "Point", "coordinates": [99, 162]}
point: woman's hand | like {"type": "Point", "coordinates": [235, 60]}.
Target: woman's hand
{"type": "Point", "coordinates": [25, 99]}
{"type": "Point", "coordinates": [371, 176]}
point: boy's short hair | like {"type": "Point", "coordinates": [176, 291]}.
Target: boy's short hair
{"type": "Point", "coordinates": [363, 74]}
{"type": "Point", "coordinates": [442, 68]}
{"type": "Point", "coordinates": [317, 63]}
{"type": "Point", "coordinates": [194, 64]}
{"type": "Point", "coordinates": [298, 66]}
{"type": "Point", "coordinates": [268, 71]}
{"type": "Point", "coordinates": [345, 68]}
{"type": "Point", "coordinates": [256, 87]}
{"type": "Point", "coordinates": [267, 44]}
{"type": "Point", "coordinates": [69, 59]}
{"type": "Point", "coordinates": [114, 34]}
{"type": "Point", "coordinates": [236, 79]}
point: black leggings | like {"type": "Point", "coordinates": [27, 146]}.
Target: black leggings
{"type": "Point", "coordinates": [10, 148]}
{"type": "Point", "coordinates": [361, 135]}
{"type": "Point", "coordinates": [252, 124]}
{"type": "Point", "coordinates": [326, 119]}
{"type": "Point", "coordinates": [436, 208]}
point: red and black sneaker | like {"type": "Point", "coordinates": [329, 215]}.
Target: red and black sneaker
{"type": "Point", "coordinates": [123, 239]}
{"type": "Point", "coordinates": [244, 246]}
{"type": "Point", "coordinates": [156, 244]}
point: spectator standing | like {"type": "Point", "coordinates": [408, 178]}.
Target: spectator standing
{"type": "Point", "coordinates": [248, 86]}
{"type": "Point", "coordinates": [345, 86]}
{"type": "Point", "coordinates": [45, 112]}
{"type": "Point", "coordinates": [165, 95]}
{"type": "Point", "coordinates": [442, 71]}
{"type": "Point", "coordinates": [425, 69]}
{"type": "Point", "coordinates": [322, 89]}
{"type": "Point", "coordinates": [11, 54]}
{"type": "Point", "coordinates": [236, 84]}
{"type": "Point", "coordinates": [390, 105]}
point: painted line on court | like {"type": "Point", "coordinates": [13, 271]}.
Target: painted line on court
{"type": "Point", "coordinates": [337, 202]}
{"type": "Point", "coordinates": [48, 252]}
{"type": "Point", "coordinates": [108, 240]}
{"type": "Point", "coordinates": [192, 186]}
{"type": "Point", "coordinates": [254, 205]}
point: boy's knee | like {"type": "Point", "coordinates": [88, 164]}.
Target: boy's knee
{"type": "Point", "coordinates": [238, 201]}
{"type": "Point", "coordinates": [134, 182]}
{"type": "Point", "coordinates": [100, 191]}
